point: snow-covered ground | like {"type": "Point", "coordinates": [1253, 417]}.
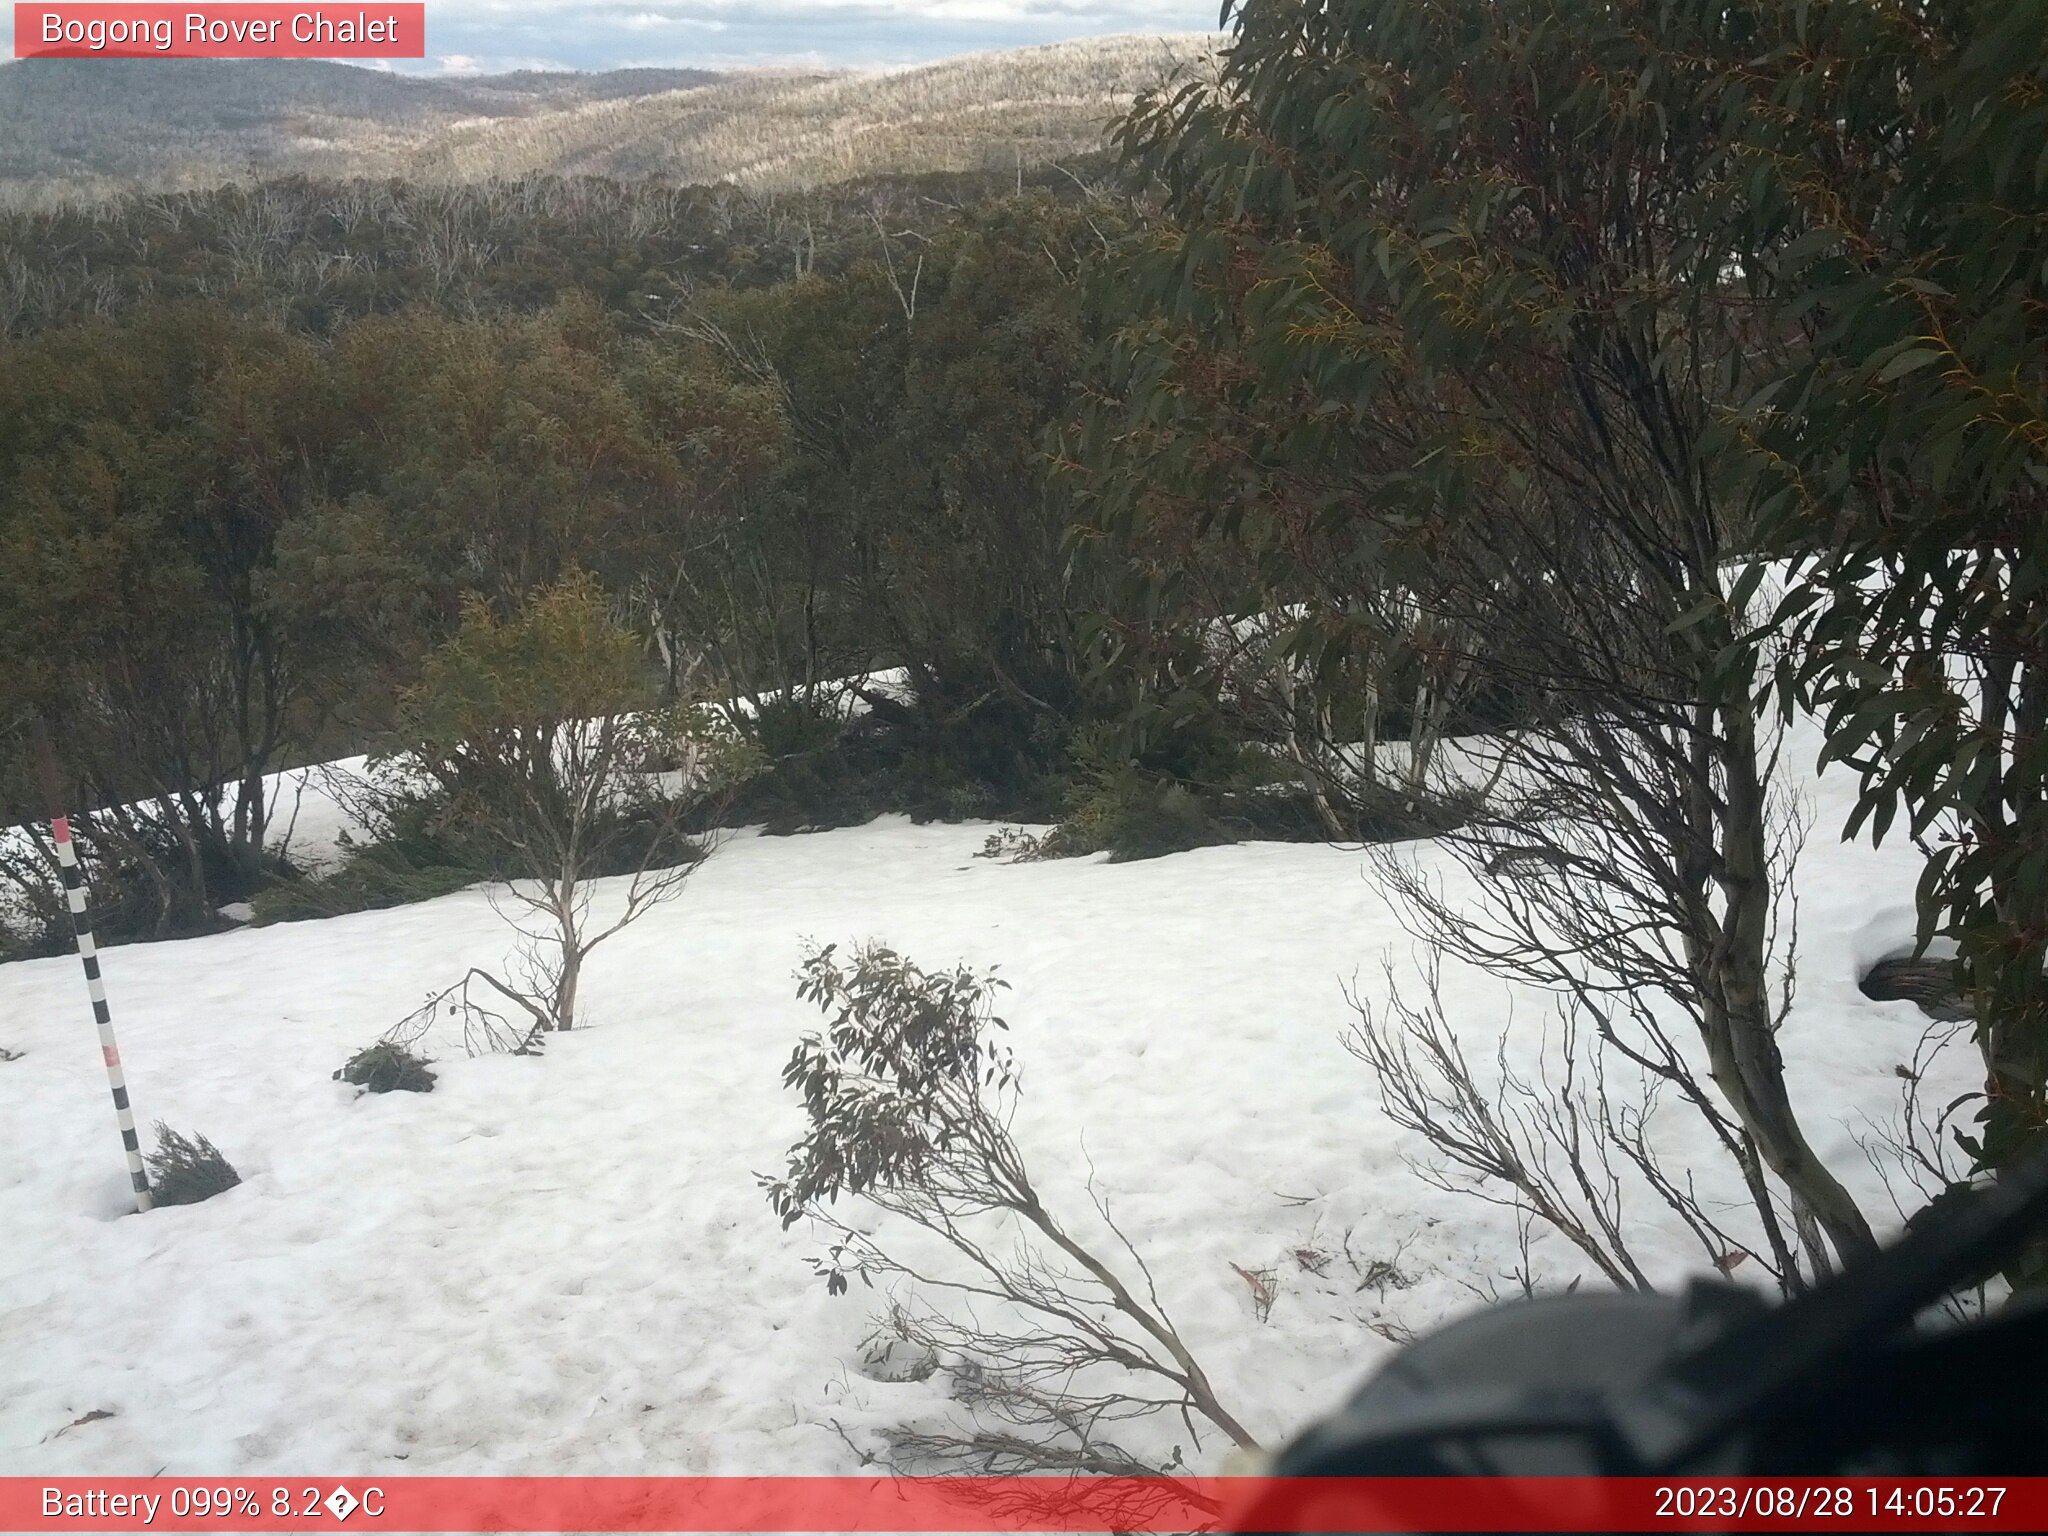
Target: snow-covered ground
{"type": "Point", "coordinates": [564, 1264]}
{"type": "Point", "coordinates": [308, 813]}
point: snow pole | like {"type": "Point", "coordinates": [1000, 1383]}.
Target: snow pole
{"type": "Point", "coordinates": [89, 956]}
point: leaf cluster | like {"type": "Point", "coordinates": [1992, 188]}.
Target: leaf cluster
{"type": "Point", "coordinates": [903, 1080]}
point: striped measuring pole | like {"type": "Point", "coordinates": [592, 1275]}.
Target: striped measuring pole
{"type": "Point", "coordinates": [89, 955]}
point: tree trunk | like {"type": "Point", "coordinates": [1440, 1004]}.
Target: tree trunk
{"type": "Point", "coordinates": [572, 956]}
{"type": "Point", "coordinates": [565, 994]}
{"type": "Point", "coordinates": [1741, 1043]}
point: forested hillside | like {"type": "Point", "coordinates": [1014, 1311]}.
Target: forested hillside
{"type": "Point", "coordinates": [806, 437]}
{"type": "Point", "coordinates": [80, 130]}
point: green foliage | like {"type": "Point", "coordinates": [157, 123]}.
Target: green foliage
{"type": "Point", "coordinates": [1899, 209]}
{"type": "Point", "coordinates": [1371, 381]}
{"type": "Point", "coordinates": [148, 471]}
{"type": "Point", "coordinates": [427, 840]}
{"type": "Point", "coordinates": [17, 942]}
{"type": "Point", "coordinates": [131, 899]}
{"type": "Point", "coordinates": [186, 1170]}
{"type": "Point", "coordinates": [1135, 817]}
{"type": "Point", "coordinates": [900, 1085]}
{"type": "Point", "coordinates": [808, 778]}
{"type": "Point", "coordinates": [34, 920]}
{"type": "Point", "coordinates": [545, 740]}
{"type": "Point", "coordinates": [317, 253]}
{"type": "Point", "coordinates": [1448, 293]}
{"type": "Point", "coordinates": [1196, 787]}
{"type": "Point", "coordinates": [371, 878]}
{"type": "Point", "coordinates": [1430, 367]}
{"type": "Point", "coordinates": [413, 851]}
{"type": "Point", "coordinates": [127, 874]}
{"type": "Point", "coordinates": [386, 1068]}
{"type": "Point", "coordinates": [546, 733]}
{"type": "Point", "coordinates": [788, 475]}
{"type": "Point", "coordinates": [1398, 348]}
{"type": "Point", "coordinates": [913, 523]}
{"type": "Point", "coordinates": [501, 455]}
{"type": "Point", "coordinates": [908, 1099]}
{"type": "Point", "coordinates": [908, 756]}
{"type": "Point", "coordinates": [493, 693]}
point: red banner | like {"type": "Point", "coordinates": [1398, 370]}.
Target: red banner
{"type": "Point", "coordinates": [360, 31]}
{"type": "Point", "coordinates": [1003, 1504]}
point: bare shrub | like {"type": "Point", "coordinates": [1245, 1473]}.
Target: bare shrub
{"type": "Point", "coordinates": [1618, 874]}
{"type": "Point", "coordinates": [1056, 1341]}
{"type": "Point", "coordinates": [1567, 1146]}
{"type": "Point", "coordinates": [1013, 845]}
{"type": "Point", "coordinates": [1920, 1154]}
{"type": "Point", "coordinates": [1327, 715]}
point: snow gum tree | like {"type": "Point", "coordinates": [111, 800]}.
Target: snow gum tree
{"type": "Point", "coordinates": [1441, 305]}
{"type": "Point", "coordinates": [148, 472]}
{"type": "Point", "coordinates": [1895, 206]}
{"type": "Point", "coordinates": [544, 737]}
{"type": "Point", "coordinates": [1056, 1339]}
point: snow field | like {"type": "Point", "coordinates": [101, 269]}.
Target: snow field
{"type": "Point", "coordinates": [564, 1264]}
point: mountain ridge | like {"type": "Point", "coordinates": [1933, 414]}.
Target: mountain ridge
{"type": "Point", "coordinates": [88, 129]}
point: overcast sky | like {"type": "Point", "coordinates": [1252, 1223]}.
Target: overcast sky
{"type": "Point", "coordinates": [496, 35]}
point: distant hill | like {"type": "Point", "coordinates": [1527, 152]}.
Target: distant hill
{"type": "Point", "coordinates": [85, 128]}
{"type": "Point", "coordinates": [91, 125]}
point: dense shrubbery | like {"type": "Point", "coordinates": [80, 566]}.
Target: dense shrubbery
{"type": "Point", "coordinates": [1131, 816]}
{"type": "Point", "coordinates": [782, 472]}
{"type": "Point", "coordinates": [1483, 379]}
{"type": "Point", "coordinates": [372, 875]}
{"type": "Point", "coordinates": [316, 253]}
{"type": "Point", "coordinates": [140, 879]}
{"type": "Point", "coordinates": [778, 477]}
{"type": "Point", "coordinates": [410, 852]}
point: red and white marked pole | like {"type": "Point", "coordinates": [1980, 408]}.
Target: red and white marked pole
{"type": "Point", "coordinates": [89, 956]}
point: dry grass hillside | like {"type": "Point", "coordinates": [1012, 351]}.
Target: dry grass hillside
{"type": "Point", "coordinates": [88, 129]}
{"type": "Point", "coordinates": [786, 129]}
{"type": "Point", "coordinates": [81, 128]}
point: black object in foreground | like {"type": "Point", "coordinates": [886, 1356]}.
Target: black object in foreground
{"type": "Point", "coordinates": [1842, 1380]}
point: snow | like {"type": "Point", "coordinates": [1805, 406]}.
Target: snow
{"type": "Point", "coordinates": [313, 808]}
{"type": "Point", "coordinates": [309, 813]}
{"type": "Point", "coordinates": [564, 1264]}
{"type": "Point", "coordinates": [308, 810]}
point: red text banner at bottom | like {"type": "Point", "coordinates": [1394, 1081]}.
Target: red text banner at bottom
{"type": "Point", "coordinates": [1001, 1504]}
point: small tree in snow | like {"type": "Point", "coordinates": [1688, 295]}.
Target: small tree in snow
{"type": "Point", "coordinates": [1055, 1345]}
{"type": "Point", "coordinates": [558, 766]}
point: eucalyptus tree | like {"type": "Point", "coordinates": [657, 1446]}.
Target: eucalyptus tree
{"type": "Point", "coordinates": [1896, 220]}
{"type": "Point", "coordinates": [1444, 306]}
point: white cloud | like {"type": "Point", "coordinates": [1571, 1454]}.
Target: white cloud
{"type": "Point", "coordinates": [651, 21]}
